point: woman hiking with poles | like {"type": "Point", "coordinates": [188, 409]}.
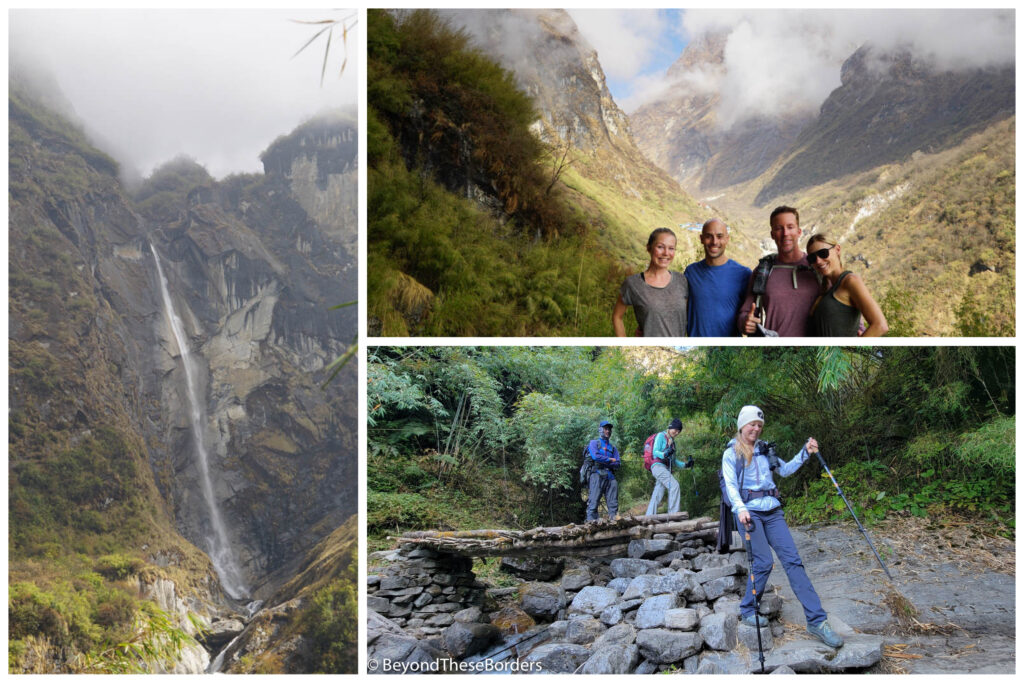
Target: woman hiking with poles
{"type": "Point", "coordinates": [747, 466]}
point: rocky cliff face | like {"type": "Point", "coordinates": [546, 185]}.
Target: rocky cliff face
{"type": "Point", "coordinates": [682, 134]}
{"type": "Point", "coordinates": [889, 106]}
{"type": "Point", "coordinates": [102, 456]}
{"type": "Point", "coordinates": [556, 66]}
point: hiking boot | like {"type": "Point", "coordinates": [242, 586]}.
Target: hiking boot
{"type": "Point", "coordinates": [748, 619]}
{"type": "Point", "coordinates": [825, 634]}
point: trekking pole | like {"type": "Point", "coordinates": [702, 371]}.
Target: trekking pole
{"type": "Point", "coordinates": [748, 527]}
{"type": "Point", "coordinates": [850, 508]}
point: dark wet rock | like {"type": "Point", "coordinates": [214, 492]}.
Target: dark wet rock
{"type": "Point", "coordinates": [541, 600]}
{"type": "Point", "coordinates": [665, 647]}
{"type": "Point", "coordinates": [221, 632]}
{"type": "Point", "coordinates": [619, 658]}
{"type": "Point", "coordinates": [511, 620]}
{"type": "Point", "coordinates": [558, 657]}
{"type": "Point", "coordinates": [462, 640]}
{"type": "Point", "coordinates": [533, 569]}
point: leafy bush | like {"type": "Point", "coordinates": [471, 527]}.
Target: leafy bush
{"type": "Point", "coordinates": [118, 566]}
{"type": "Point", "coordinates": [332, 624]}
{"type": "Point", "coordinates": [398, 510]}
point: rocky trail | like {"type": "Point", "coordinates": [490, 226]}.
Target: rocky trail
{"type": "Point", "coordinates": [671, 604]}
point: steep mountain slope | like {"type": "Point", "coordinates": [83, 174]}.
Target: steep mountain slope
{"type": "Point", "coordinates": [610, 175]}
{"type": "Point", "coordinates": [889, 106]}
{"type": "Point", "coordinates": [105, 486]}
{"type": "Point", "coordinates": [682, 133]}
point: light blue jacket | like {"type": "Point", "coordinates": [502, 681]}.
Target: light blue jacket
{"type": "Point", "coordinates": [660, 451]}
{"type": "Point", "coordinates": [756, 477]}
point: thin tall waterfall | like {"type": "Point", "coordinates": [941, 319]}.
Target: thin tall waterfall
{"type": "Point", "coordinates": [217, 545]}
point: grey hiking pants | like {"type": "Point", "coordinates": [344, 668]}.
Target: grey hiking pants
{"type": "Point", "coordinates": [664, 481]}
{"type": "Point", "coordinates": [603, 483]}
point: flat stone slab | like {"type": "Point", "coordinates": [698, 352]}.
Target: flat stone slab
{"type": "Point", "coordinates": [812, 656]}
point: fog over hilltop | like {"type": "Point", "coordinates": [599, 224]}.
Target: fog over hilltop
{"type": "Point", "coordinates": [216, 85]}
{"type": "Point", "coordinates": [783, 61]}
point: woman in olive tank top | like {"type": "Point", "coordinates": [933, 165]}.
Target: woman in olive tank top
{"type": "Point", "coordinates": [844, 298]}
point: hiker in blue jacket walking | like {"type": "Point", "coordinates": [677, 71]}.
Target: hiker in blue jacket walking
{"type": "Point", "coordinates": [602, 479]}
{"type": "Point", "coordinates": [755, 499]}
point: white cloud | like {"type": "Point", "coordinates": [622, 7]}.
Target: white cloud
{"type": "Point", "coordinates": [217, 85]}
{"type": "Point", "coordinates": [781, 61]}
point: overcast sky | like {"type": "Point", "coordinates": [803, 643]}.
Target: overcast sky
{"type": "Point", "coordinates": [216, 85]}
{"type": "Point", "coordinates": [776, 59]}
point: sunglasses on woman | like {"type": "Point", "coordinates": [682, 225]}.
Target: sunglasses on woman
{"type": "Point", "coordinates": [813, 256]}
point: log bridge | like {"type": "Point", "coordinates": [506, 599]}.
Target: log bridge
{"type": "Point", "coordinates": [603, 538]}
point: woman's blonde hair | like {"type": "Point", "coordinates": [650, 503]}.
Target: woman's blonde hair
{"type": "Point", "coordinates": [822, 237]}
{"type": "Point", "coordinates": [744, 449]}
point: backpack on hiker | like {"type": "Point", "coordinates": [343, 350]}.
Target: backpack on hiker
{"type": "Point", "coordinates": [649, 450]}
{"type": "Point", "coordinates": [587, 468]}
{"type": "Point", "coordinates": [725, 516]}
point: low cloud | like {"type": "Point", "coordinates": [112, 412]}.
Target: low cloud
{"type": "Point", "coordinates": [216, 85]}
{"type": "Point", "coordinates": [782, 62]}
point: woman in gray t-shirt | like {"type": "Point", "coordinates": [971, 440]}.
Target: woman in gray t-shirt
{"type": "Point", "coordinates": [658, 295]}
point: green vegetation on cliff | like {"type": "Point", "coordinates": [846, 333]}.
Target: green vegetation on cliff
{"type": "Point", "coordinates": [472, 230]}
{"type": "Point", "coordinates": [492, 437]}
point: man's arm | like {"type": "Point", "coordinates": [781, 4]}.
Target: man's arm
{"type": "Point", "coordinates": [743, 315]}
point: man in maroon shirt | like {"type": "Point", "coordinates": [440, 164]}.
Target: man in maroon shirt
{"type": "Point", "coordinates": [785, 285]}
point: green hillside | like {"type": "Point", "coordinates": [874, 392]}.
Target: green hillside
{"type": "Point", "coordinates": [472, 230]}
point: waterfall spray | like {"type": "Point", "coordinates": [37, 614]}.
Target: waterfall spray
{"type": "Point", "coordinates": [217, 545]}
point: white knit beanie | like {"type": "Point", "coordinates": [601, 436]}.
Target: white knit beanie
{"type": "Point", "coordinates": [747, 415]}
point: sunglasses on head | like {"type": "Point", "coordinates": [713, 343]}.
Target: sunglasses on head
{"type": "Point", "coordinates": [813, 256]}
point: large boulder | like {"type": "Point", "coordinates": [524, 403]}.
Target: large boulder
{"type": "Point", "coordinates": [642, 586]}
{"type": "Point", "coordinates": [619, 658]}
{"type": "Point", "coordinates": [618, 634]}
{"type": "Point", "coordinates": [462, 640]}
{"type": "Point", "coordinates": [541, 600]}
{"type": "Point", "coordinates": [652, 612]}
{"type": "Point", "coordinates": [509, 620]}
{"type": "Point", "coordinates": [811, 656]}
{"type": "Point", "coordinates": [593, 600]}
{"type": "Point", "coordinates": [681, 619]}
{"type": "Point", "coordinates": [629, 567]}
{"type": "Point", "coordinates": [584, 631]}
{"type": "Point", "coordinates": [719, 631]}
{"type": "Point", "coordinates": [575, 579]}
{"type": "Point", "coordinates": [666, 647]}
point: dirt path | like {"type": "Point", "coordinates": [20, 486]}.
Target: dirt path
{"type": "Point", "coordinates": [949, 608]}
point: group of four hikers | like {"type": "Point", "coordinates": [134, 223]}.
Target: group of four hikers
{"type": "Point", "coordinates": [747, 467]}
{"type": "Point", "coordinates": [791, 293]}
